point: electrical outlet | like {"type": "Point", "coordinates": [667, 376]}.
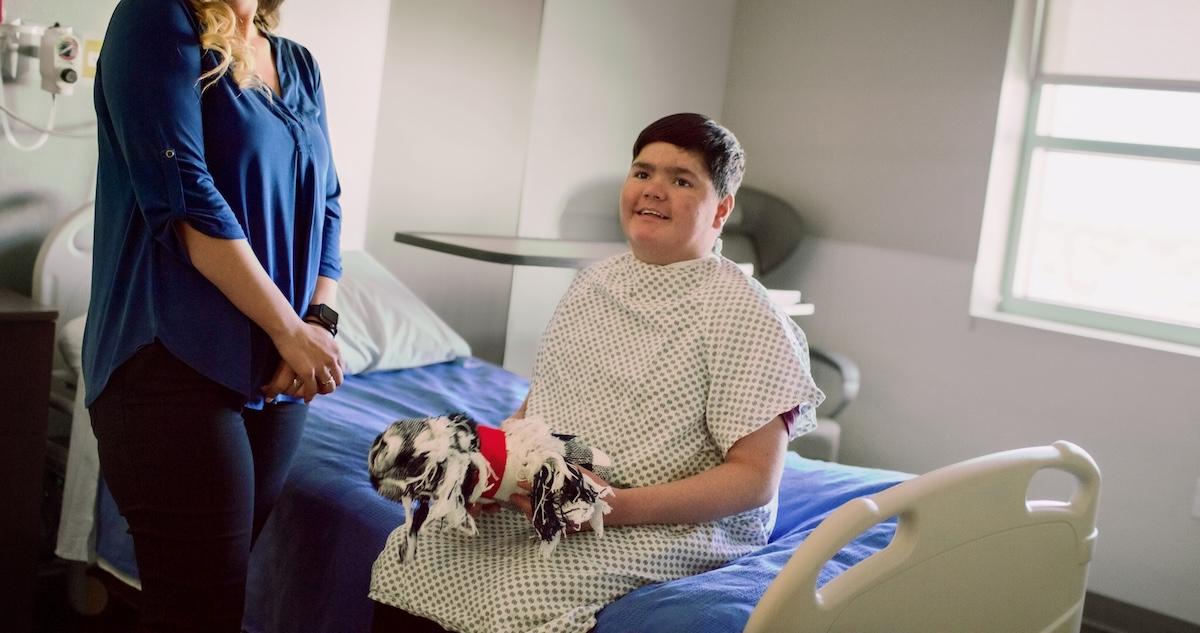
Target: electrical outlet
{"type": "Point", "coordinates": [1196, 502]}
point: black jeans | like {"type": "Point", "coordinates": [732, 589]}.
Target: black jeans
{"type": "Point", "coordinates": [389, 619]}
{"type": "Point", "coordinates": [195, 475]}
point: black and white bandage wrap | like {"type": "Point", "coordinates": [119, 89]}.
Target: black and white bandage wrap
{"type": "Point", "coordinates": [436, 467]}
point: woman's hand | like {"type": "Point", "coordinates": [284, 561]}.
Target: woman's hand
{"type": "Point", "coordinates": [283, 376]}
{"type": "Point", "coordinates": [312, 357]}
{"type": "Point", "coordinates": [311, 363]}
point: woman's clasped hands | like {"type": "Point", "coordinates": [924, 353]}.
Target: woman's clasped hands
{"type": "Point", "coordinates": [310, 365]}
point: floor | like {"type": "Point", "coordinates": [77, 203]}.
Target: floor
{"type": "Point", "coordinates": [52, 613]}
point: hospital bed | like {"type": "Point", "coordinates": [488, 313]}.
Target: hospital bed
{"type": "Point", "coordinates": [960, 549]}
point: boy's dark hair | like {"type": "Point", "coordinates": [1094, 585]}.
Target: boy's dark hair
{"type": "Point", "coordinates": [718, 148]}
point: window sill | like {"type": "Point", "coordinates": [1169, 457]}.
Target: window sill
{"type": "Point", "coordinates": [1086, 332]}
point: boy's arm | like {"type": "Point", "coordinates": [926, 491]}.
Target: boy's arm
{"type": "Point", "coordinates": [747, 479]}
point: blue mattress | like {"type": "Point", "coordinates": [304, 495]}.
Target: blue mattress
{"type": "Point", "coordinates": [311, 567]}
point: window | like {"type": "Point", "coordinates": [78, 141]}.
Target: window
{"type": "Point", "coordinates": [1103, 206]}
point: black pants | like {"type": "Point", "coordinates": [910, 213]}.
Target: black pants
{"type": "Point", "coordinates": [195, 475]}
{"type": "Point", "coordinates": [389, 619]}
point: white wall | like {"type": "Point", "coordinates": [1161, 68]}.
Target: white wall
{"type": "Point", "coordinates": [453, 128]}
{"type": "Point", "coordinates": [875, 119]}
{"type": "Point", "coordinates": [349, 47]}
{"type": "Point", "coordinates": [605, 70]}
{"type": "Point", "coordinates": [514, 119]}
{"type": "Point", "coordinates": [37, 189]}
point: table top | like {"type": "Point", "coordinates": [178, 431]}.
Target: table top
{"type": "Point", "coordinates": [799, 309]}
{"type": "Point", "coordinates": [16, 307]}
{"type": "Point", "coordinates": [517, 251]}
{"type": "Point", "coordinates": [533, 251]}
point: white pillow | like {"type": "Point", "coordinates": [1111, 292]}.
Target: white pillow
{"type": "Point", "coordinates": [383, 325]}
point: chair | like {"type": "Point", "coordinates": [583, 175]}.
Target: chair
{"type": "Point", "coordinates": [764, 231]}
{"type": "Point", "coordinates": [837, 375]}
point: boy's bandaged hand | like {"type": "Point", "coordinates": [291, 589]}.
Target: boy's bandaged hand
{"type": "Point", "coordinates": [523, 503]}
{"type": "Point", "coordinates": [444, 470]}
{"type": "Point", "coordinates": [481, 508]}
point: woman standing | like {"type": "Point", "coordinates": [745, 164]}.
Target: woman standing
{"type": "Point", "coordinates": [215, 261]}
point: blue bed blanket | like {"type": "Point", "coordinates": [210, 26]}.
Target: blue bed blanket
{"type": "Point", "coordinates": [310, 569]}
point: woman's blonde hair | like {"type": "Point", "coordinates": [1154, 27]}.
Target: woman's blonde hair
{"type": "Point", "coordinates": [219, 33]}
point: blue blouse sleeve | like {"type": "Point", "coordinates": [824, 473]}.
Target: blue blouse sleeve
{"type": "Point", "coordinates": [331, 252]}
{"type": "Point", "coordinates": [151, 66]}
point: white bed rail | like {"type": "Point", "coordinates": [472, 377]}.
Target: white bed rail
{"type": "Point", "coordinates": [970, 555]}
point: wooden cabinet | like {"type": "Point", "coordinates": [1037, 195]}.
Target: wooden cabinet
{"type": "Point", "coordinates": [26, 352]}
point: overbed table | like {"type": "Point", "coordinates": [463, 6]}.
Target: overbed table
{"type": "Point", "coordinates": [533, 251]}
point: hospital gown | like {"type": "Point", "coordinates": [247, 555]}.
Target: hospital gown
{"type": "Point", "coordinates": [663, 367]}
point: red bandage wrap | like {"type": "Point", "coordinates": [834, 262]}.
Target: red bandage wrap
{"type": "Point", "coordinates": [494, 446]}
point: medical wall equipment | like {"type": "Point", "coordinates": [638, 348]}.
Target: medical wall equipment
{"type": "Point", "coordinates": [56, 58]}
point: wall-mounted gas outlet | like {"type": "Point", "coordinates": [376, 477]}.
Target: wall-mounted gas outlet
{"type": "Point", "coordinates": [91, 56]}
{"type": "Point", "coordinates": [1196, 502]}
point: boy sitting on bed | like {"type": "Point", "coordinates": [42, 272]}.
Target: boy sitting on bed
{"type": "Point", "coordinates": [674, 361]}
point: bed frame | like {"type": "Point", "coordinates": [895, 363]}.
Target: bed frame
{"type": "Point", "coordinates": [971, 552]}
{"type": "Point", "coordinates": [62, 273]}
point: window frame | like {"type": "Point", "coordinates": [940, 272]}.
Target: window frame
{"type": "Point", "coordinates": [1093, 321]}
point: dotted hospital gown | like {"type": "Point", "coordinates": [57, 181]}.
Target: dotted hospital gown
{"type": "Point", "coordinates": [664, 368]}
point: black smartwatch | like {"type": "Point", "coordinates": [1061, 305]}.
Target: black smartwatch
{"type": "Point", "coordinates": [323, 316]}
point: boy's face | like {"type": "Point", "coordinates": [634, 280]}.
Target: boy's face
{"type": "Point", "coordinates": [670, 211]}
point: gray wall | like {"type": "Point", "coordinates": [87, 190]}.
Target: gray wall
{"type": "Point", "coordinates": [39, 188]}
{"type": "Point", "coordinates": [875, 119]}
{"type": "Point", "coordinates": [605, 70]}
{"type": "Point", "coordinates": [516, 119]}
{"type": "Point", "coordinates": [453, 134]}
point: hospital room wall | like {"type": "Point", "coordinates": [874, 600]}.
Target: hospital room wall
{"type": "Point", "coordinates": [37, 189]}
{"type": "Point", "coordinates": [349, 46]}
{"type": "Point", "coordinates": [526, 117]}
{"type": "Point", "coordinates": [605, 70]}
{"type": "Point", "coordinates": [453, 132]}
{"type": "Point", "coordinates": [875, 120]}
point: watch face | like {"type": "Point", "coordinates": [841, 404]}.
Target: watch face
{"type": "Point", "coordinates": [326, 313]}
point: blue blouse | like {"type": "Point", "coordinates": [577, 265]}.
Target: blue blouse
{"type": "Point", "coordinates": [234, 164]}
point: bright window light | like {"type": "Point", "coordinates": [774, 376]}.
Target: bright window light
{"type": "Point", "coordinates": [1121, 115]}
{"type": "Point", "coordinates": [1115, 234]}
{"type": "Point", "coordinates": [1105, 226]}
{"type": "Point", "coordinates": [1153, 39]}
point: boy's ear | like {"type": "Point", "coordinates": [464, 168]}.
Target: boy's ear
{"type": "Point", "coordinates": [724, 208]}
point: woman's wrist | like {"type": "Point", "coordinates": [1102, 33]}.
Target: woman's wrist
{"type": "Point", "coordinates": [325, 292]}
{"type": "Point", "coordinates": [288, 327]}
